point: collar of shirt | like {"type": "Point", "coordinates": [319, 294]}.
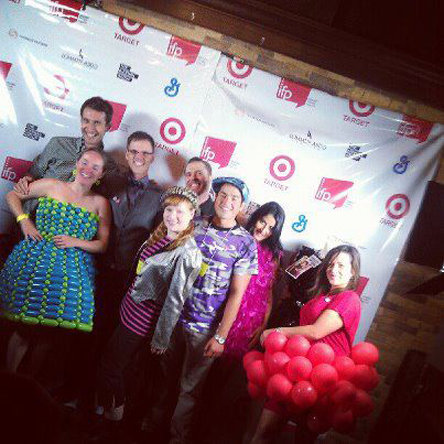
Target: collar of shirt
{"type": "Point", "coordinates": [138, 183]}
{"type": "Point", "coordinates": [80, 145]}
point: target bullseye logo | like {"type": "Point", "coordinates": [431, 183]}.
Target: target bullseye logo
{"type": "Point", "coordinates": [360, 109]}
{"type": "Point", "coordinates": [57, 87]}
{"type": "Point", "coordinates": [238, 70]}
{"type": "Point", "coordinates": [282, 167]}
{"type": "Point", "coordinates": [397, 206]}
{"type": "Point", "coordinates": [130, 27]}
{"type": "Point", "coordinates": [172, 130]}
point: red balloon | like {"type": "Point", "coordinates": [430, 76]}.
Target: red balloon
{"type": "Point", "coordinates": [344, 394]}
{"type": "Point", "coordinates": [256, 391]}
{"type": "Point", "coordinates": [299, 368]}
{"type": "Point", "coordinates": [365, 353]}
{"type": "Point", "coordinates": [363, 404]}
{"type": "Point", "coordinates": [323, 406]}
{"type": "Point", "coordinates": [321, 353]}
{"type": "Point", "coordinates": [279, 387]}
{"type": "Point", "coordinates": [342, 421]}
{"type": "Point", "coordinates": [324, 377]}
{"type": "Point", "coordinates": [365, 378]}
{"type": "Point", "coordinates": [297, 345]}
{"type": "Point", "coordinates": [251, 356]}
{"type": "Point", "coordinates": [276, 362]}
{"type": "Point", "coordinates": [257, 374]}
{"type": "Point", "coordinates": [304, 395]}
{"type": "Point", "coordinates": [275, 342]}
{"type": "Point", "coordinates": [345, 367]}
{"type": "Point", "coordinates": [317, 424]}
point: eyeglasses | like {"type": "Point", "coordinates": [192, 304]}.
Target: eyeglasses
{"type": "Point", "coordinates": [144, 153]}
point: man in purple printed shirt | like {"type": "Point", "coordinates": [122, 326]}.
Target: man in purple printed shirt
{"type": "Point", "coordinates": [230, 258]}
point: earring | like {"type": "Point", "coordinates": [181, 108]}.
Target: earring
{"type": "Point", "coordinates": [97, 182]}
{"type": "Point", "coordinates": [74, 172]}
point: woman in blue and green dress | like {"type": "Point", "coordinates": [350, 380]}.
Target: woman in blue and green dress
{"type": "Point", "coordinates": [48, 279]}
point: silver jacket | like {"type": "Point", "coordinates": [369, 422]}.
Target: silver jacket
{"type": "Point", "coordinates": [167, 278]}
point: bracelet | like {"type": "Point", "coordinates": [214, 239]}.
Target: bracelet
{"type": "Point", "coordinates": [22, 216]}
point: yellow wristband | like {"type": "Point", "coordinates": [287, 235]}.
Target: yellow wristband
{"type": "Point", "coordinates": [22, 216]}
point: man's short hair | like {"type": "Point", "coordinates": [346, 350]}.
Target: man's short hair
{"type": "Point", "coordinates": [99, 104]}
{"type": "Point", "coordinates": [139, 135]}
{"type": "Point", "coordinates": [206, 164]}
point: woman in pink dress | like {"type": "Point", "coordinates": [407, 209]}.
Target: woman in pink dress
{"type": "Point", "coordinates": [265, 225]}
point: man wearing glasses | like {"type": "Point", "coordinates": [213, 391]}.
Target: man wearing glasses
{"type": "Point", "coordinates": [135, 203]}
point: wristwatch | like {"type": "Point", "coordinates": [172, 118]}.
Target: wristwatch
{"type": "Point", "coordinates": [219, 339]}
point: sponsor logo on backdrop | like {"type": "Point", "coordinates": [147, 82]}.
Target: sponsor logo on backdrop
{"type": "Point", "coordinates": [281, 169]}
{"type": "Point", "coordinates": [308, 141]}
{"type": "Point", "coordinates": [217, 151]}
{"type": "Point", "coordinates": [130, 29]}
{"type": "Point", "coordinates": [362, 283]}
{"type": "Point", "coordinates": [360, 111]}
{"type": "Point", "coordinates": [172, 89]}
{"type": "Point", "coordinates": [119, 110]}
{"type": "Point", "coordinates": [414, 128]}
{"type": "Point", "coordinates": [238, 71]}
{"type": "Point", "coordinates": [172, 131]}
{"type": "Point", "coordinates": [124, 73]}
{"type": "Point", "coordinates": [183, 49]}
{"type": "Point", "coordinates": [17, 2]}
{"type": "Point", "coordinates": [14, 169]}
{"type": "Point", "coordinates": [333, 191]}
{"type": "Point", "coordinates": [32, 132]}
{"type": "Point", "coordinates": [354, 152]}
{"type": "Point", "coordinates": [13, 33]}
{"type": "Point", "coordinates": [293, 92]}
{"type": "Point", "coordinates": [396, 207]}
{"type": "Point", "coordinates": [55, 87]}
{"type": "Point", "coordinates": [68, 10]}
{"type": "Point", "coordinates": [5, 67]}
{"type": "Point", "coordinates": [401, 166]}
{"type": "Point", "coordinates": [300, 225]}
{"type": "Point", "coordinates": [79, 59]}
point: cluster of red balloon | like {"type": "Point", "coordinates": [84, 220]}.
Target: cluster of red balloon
{"type": "Point", "coordinates": [304, 379]}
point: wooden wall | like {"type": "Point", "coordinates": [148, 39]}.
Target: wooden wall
{"type": "Point", "coordinates": [403, 321]}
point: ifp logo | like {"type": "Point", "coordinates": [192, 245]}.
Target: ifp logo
{"type": "Point", "coordinates": [14, 169]}
{"type": "Point", "coordinates": [238, 70]}
{"type": "Point", "coordinates": [172, 131]}
{"type": "Point", "coordinates": [56, 87]}
{"type": "Point", "coordinates": [293, 92]}
{"type": "Point", "coordinates": [67, 9]}
{"type": "Point", "coordinates": [414, 128]}
{"type": "Point", "coordinates": [183, 49]}
{"type": "Point", "coordinates": [282, 167]}
{"type": "Point", "coordinates": [130, 27]}
{"type": "Point", "coordinates": [118, 112]}
{"type": "Point", "coordinates": [397, 206]}
{"type": "Point", "coordinates": [218, 151]}
{"type": "Point", "coordinates": [5, 67]}
{"type": "Point", "coordinates": [360, 109]}
{"type": "Point", "coordinates": [333, 191]}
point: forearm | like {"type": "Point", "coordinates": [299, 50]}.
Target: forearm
{"type": "Point", "coordinates": [309, 331]}
{"type": "Point", "coordinates": [15, 203]}
{"type": "Point", "coordinates": [230, 313]}
{"type": "Point", "coordinates": [93, 246]}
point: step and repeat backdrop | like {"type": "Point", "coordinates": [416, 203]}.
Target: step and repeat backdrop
{"type": "Point", "coordinates": [344, 171]}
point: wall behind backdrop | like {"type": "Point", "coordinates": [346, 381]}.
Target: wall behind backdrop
{"type": "Point", "coordinates": [344, 171]}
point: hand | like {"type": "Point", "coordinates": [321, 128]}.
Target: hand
{"type": "Point", "coordinates": [157, 351]}
{"type": "Point", "coordinates": [62, 241]}
{"type": "Point", "coordinates": [213, 349]}
{"type": "Point", "coordinates": [22, 186]}
{"type": "Point", "coordinates": [29, 230]}
{"type": "Point", "coordinates": [255, 337]}
{"type": "Point", "coordinates": [265, 333]}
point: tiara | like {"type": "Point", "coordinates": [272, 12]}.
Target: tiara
{"type": "Point", "coordinates": [181, 191]}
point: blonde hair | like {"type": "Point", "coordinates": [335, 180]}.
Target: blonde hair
{"type": "Point", "coordinates": [161, 230]}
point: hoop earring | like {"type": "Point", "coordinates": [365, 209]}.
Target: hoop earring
{"type": "Point", "coordinates": [97, 182]}
{"type": "Point", "coordinates": [74, 172]}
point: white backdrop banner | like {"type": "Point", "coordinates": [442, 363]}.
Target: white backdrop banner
{"type": "Point", "coordinates": [344, 171]}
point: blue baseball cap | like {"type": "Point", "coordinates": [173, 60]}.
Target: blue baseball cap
{"type": "Point", "coordinates": [238, 183]}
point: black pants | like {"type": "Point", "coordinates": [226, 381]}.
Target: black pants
{"type": "Point", "coordinates": [118, 354]}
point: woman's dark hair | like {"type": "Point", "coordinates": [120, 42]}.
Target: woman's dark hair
{"type": "Point", "coordinates": [273, 242]}
{"type": "Point", "coordinates": [321, 285]}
